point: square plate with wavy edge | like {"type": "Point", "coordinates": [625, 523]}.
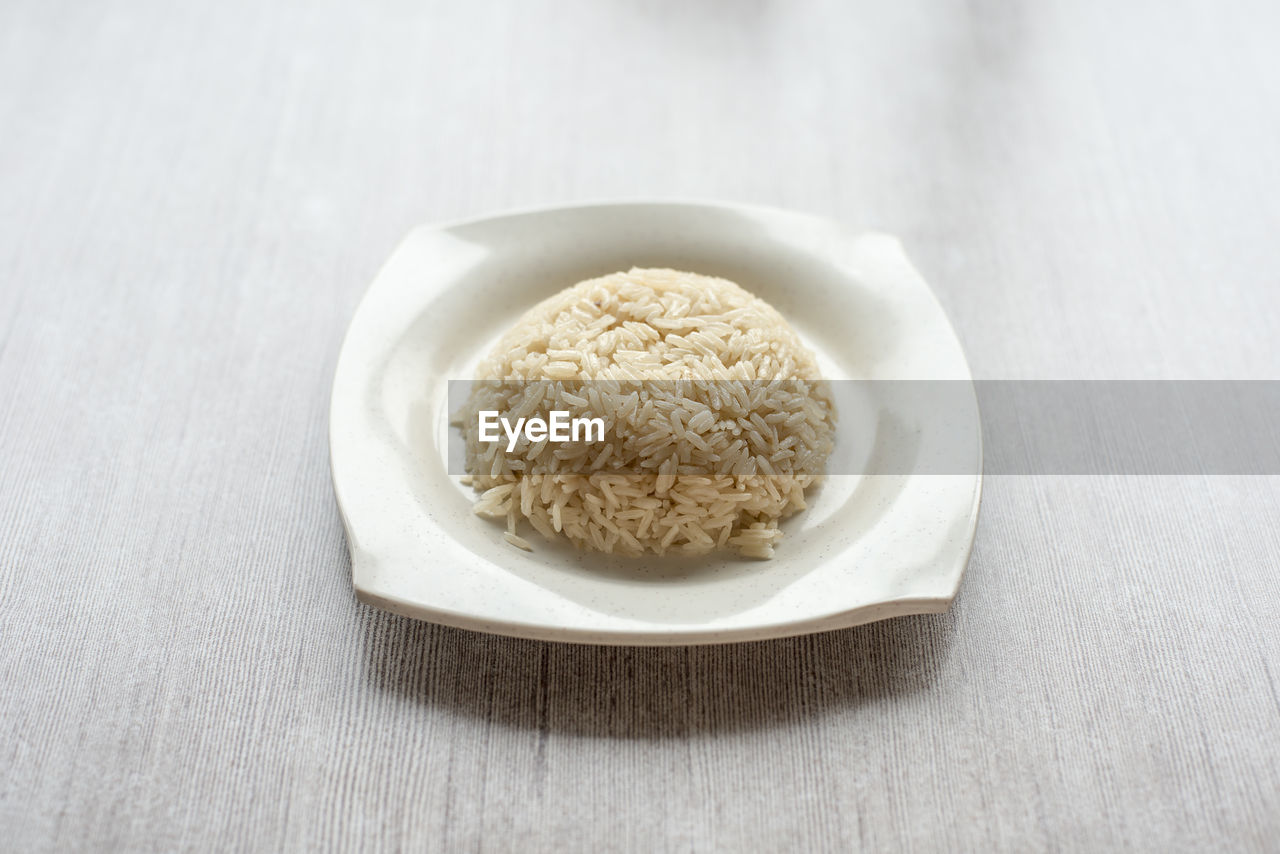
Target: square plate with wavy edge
{"type": "Point", "coordinates": [868, 547]}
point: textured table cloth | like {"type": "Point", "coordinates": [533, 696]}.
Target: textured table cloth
{"type": "Point", "coordinates": [192, 200]}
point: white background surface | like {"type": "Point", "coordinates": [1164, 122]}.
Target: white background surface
{"type": "Point", "coordinates": [192, 199]}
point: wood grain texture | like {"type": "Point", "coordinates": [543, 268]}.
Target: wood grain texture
{"type": "Point", "coordinates": [193, 199]}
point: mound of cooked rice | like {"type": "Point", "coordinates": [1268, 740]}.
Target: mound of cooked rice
{"type": "Point", "coordinates": [716, 417]}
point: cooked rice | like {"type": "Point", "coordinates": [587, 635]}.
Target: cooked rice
{"type": "Point", "coordinates": [685, 466]}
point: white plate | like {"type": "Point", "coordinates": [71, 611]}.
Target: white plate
{"type": "Point", "coordinates": [869, 547]}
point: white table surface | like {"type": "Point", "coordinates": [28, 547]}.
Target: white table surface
{"type": "Point", "coordinates": [192, 199]}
